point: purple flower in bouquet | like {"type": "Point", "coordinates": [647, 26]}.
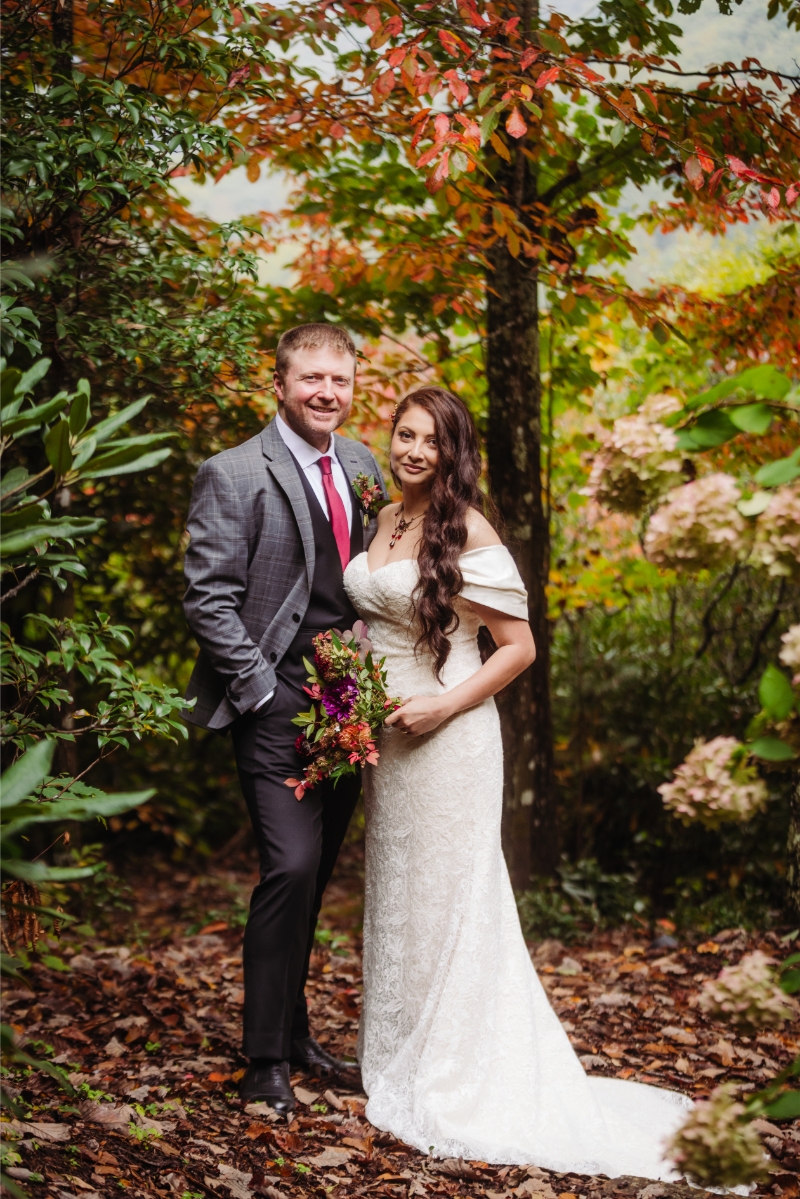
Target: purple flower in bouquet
{"type": "Point", "coordinates": [339, 699]}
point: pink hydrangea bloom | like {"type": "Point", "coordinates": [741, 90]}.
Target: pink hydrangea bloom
{"type": "Point", "coordinates": [777, 543]}
{"type": "Point", "coordinates": [700, 526]}
{"type": "Point", "coordinates": [747, 995]}
{"type": "Point", "coordinates": [638, 461]}
{"type": "Point", "coordinates": [715, 1146]}
{"type": "Point", "coordinates": [714, 785]}
{"type": "Point", "coordinates": [790, 654]}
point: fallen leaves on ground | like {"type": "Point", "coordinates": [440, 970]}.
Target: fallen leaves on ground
{"type": "Point", "coordinates": [149, 1033]}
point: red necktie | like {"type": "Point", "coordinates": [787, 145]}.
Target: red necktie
{"type": "Point", "coordinates": [336, 512]}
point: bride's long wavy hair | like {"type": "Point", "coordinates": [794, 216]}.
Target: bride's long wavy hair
{"type": "Point", "coordinates": [444, 529]}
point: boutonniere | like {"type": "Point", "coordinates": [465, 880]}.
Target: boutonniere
{"type": "Point", "coordinates": [369, 495]}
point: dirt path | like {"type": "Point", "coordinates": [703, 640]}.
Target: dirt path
{"type": "Point", "coordinates": [145, 1018]}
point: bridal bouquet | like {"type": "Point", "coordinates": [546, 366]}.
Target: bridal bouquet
{"type": "Point", "coordinates": [349, 705]}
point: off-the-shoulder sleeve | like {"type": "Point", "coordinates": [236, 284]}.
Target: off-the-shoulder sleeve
{"type": "Point", "coordinates": [491, 578]}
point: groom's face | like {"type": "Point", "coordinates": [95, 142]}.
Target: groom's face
{"type": "Point", "coordinates": [315, 394]}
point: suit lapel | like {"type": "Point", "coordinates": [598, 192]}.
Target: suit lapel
{"type": "Point", "coordinates": [282, 466]}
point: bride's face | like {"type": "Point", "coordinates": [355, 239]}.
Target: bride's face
{"type": "Point", "coordinates": [414, 452]}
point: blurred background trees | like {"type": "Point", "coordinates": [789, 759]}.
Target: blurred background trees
{"type": "Point", "coordinates": [466, 188]}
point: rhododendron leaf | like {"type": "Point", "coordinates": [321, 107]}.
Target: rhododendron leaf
{"type": "Point", "coordinates": [771, 750]}
{"type": "Point", "coordinates": [787, 1107]}
{"type": "Point", "coordinates": [766, 382]}
{"type": "Point", "coordinates": [782, 471]}
{"type": "Point", "coordinates": [709, 430]}
{"type": "Point", "coordinates": [775, 693]}
{"type": "Point", "coordinates": [753, 418]}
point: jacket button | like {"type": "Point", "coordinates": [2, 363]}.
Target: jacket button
{"type": "Point", "coordinates": [295, 618]}
{"type": "Point", "coordinates": [234, 695]}
{"type": "Point", "coordinates": [273, 657]}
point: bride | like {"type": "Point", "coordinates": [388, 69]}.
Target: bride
{"type": "Point", "coordinates": [461, 1053]}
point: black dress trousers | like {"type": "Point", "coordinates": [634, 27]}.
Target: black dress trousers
{"type": "Point", "coordinates": [298, 840]}
{"type": "Point", "coordinates": [298, 843]}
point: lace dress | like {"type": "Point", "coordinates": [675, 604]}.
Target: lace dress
{"type": "Point", "coordinates": [461, 1053]}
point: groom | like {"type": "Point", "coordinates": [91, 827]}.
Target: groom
{"type": "Point", "coordinates": [273, 524]}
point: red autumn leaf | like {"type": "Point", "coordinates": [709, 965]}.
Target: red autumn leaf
{"type": "Point", "coordinates": [237, 76]}
{"type": "Point", "coordinates": [436, 180]}
{"type": "Point", "coordinates": [393, 26]}
{"type": "Point", "coordinates": [650, 95]}
{"type": "Point", "coordinates": [511, 25]}
{"type": "Point", "coordinates": [713, 182]}
{"type": "Point", "coordinates": [738, 167]}
{"type": "Point", "coordinates": [705, 162]}
{"type": "Point", "coordinates": [515, 124]}
{"type": "Point", "coordinates": [528, 57]}
{"type": "Point", "coordinates": [457, 86]}
{"type": "Point", "coordinates": [450, 43]}
{"type": "Point", "coordinates": [792, 193]}
{"type": "Point", "coordinates": [429, 154]}
{"type": "Point", "coordinates": [548, 76]}
{"type": "Point", "coordinates": [385, 82]}
{"type": "Point", "coordinates": [337, 130]}
{"type": "Point", "coordinates": [373, 18]}
{"type": "Point", "coordinates": [396, 57]}
{"type": "Point", "coordinates": [773, 198]}
{"type": "Point", "coordinates": [293, 118]}
{"type": "Point", "coordinates": [693, 171]}
{"type": "Point", "coordinates": [442, 126]}
{"type": "Point", "coordinates": [237, 17]}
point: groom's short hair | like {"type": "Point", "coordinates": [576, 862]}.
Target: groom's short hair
{"type": "Point", "coordinates": [311, 337]}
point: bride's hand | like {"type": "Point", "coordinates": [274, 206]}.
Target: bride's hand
{"type": "Point", "coordinates": [419, 714]}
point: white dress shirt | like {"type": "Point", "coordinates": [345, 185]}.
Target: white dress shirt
{"type": "Point", "coordinates": [307, 458]}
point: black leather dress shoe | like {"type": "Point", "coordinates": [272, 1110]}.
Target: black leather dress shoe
{"type": "Point", "coordinates": [309, 1056]}
{"type": "Point", "coordinates": [268, 1084]}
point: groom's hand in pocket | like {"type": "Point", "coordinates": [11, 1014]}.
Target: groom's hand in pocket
{"type": "Point", "coordinates": [420, 714]}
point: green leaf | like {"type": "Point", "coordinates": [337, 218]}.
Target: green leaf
{"type": "Point", "coordinates": [79, 411]}
{"type": "Point", "coordinates": [774, 474]}
{"type": "Point", "coordinates": [39, 872]}
{"type": "Point", "coordinates": [73, 807]}
{"type": "Point", "coordinates": [550, 41]}
{"type": "Point", "coordinates": [66, 527]}
{"type": "Point", "coordinates": [489, 123]}
{"type": "Point", "coordinates": [33, 376]}
{"type": "Point", "coordinates": [618, 132]}
{"type": "Point", "coordinates": [755, 505]}
{"type": "Point", "coordinates": [787, 1107]}
{"type": "Point", "coordinates": [144, 462]}
{"type": "Point", "coordinates": [106, 428]}
{"type": "Point", "coordinates": [31, 418]}
{"type": "Point", "coordinates": [56, 446]}
{"type": "Point", "coordinates": [709, 430]}
{"type": "Point", "coordinates": [26, 774]}
{"type": "Point", "coordinates": [771, 750]}
{"type": "Point", "coordinates": [485, 94]}
{"type": "Point", "coordinates": [764, 381]}
{"type": "Point", "coordinates": [775, 693]}
{"type": "Point", "coordinates": [753, 418]}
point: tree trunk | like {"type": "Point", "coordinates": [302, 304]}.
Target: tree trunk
{"type": "Point", "coordinates": [793, 849]}
{"type": "Point", "coordinates": [514, 452]}
{"type": "Point", "coordinates": [61, 22]}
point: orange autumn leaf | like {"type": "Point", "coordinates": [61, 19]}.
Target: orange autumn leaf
{"type": "Point", "coordinates": [515, 124]}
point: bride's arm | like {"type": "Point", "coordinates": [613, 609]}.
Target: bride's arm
{"type": "Point", "coordinates": [515, 651]}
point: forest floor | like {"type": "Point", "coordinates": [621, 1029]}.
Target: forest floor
{"type": "Point", "coordinates": [145, 1018]}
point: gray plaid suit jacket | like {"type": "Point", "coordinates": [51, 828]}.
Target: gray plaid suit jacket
{"type": "Point", "coordinates": [249, 568]}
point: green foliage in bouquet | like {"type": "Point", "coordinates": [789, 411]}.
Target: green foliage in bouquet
{"type": "Point", "coordinates": [350, 704]}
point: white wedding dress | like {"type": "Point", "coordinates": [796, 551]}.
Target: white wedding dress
{"type": "Point", "coordinates": [461, 1053]}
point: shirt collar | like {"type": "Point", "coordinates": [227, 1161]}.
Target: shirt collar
{"type": "Point", "coordinates": [305, 454]}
